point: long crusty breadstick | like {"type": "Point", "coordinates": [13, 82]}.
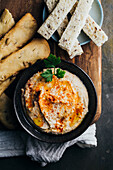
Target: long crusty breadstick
{"type": "Point", "coordinates": [7, 114]}
{"type": "Point", "coordinates": [29, 54]}
{"type": "Point", "coordinates": [22, 32]}
{"type": "Point", "coordinates": [4, 85]}
{"type": "Point", "coordinates": [6, 22]}
{"type": "Point", "coordinates": [57, 16]}
{"type": "Point", "coordinates": [75, 25]}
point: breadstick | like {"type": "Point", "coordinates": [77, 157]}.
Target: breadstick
{"type": "Point", "coordinates": [4, 85]}
{"type": "Point", "coordinates": [28, 55]}
{"type": "Point", "coordinates": [6, 22]}
{"type": "Point", "coordinates": [22, 32]}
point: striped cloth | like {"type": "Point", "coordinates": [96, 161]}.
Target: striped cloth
{"type": "Point", "coordinates": [19, 143]}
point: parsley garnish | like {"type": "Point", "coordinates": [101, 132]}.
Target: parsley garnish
{"type": "Point", "coordinates": [48, 75]}
{"type": "Point", "coordinates": [60, 73]}
{"type": "Point", "coordinates": [51, 62]}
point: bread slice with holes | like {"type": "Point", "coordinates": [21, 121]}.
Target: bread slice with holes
{"type": "Point", "coordinates": [75, 25]}
{"type": "Point", "coordinates": [77, 49]}
{"type": "Point", "coordinates": [19, 35]}
{"type": "Point", "coordinates": [51, 4]}
{"type": "Point", "coordinates": [23, 58]}
{"type": "Point", "coordinates": [56, 17]}
{"type": "Point", "coordinates": [94, 31]}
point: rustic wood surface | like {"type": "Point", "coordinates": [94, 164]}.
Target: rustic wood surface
{"type": "Point", "coordinates": [90, 61]}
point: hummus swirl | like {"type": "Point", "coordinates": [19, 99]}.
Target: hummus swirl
{"type": "Point", "coordinates": [58, 106]}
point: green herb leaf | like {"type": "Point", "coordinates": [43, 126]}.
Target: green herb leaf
{"type": "Point", "coordinates": [52, 61]}
{"type": "Point", "coordinates": [48, 75]}
{"type": "Point", "coordinates": [49, 79]}
{"type": "Point", "coordinates": [48, 64]}
{"type": "Point", "coordinates": [60, 73]}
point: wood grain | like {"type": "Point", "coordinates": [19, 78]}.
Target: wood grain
{"type": "Point", "coordinates": [90, 61]}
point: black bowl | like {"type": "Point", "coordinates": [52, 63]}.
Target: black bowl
{"type": "Point", "coordinates": [28, 124]}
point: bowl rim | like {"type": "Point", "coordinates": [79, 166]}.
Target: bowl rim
{"type": "Point", "coordinates": [43, 136]}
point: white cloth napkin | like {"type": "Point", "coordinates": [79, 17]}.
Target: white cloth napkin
{"type": "Point", "coordinates": [16, 143]}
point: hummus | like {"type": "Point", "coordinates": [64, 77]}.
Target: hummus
{"type": "Point", "coordinates": [58, 106]}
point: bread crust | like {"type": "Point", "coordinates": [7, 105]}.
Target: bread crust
{"type": "Point", "coordinates": [4, 85]}
{"type": "Point", "coordinates": [6, 22]}
{"type": "Point", "coordinates": [19, 35]}
{"type": "Point", "coordinates": [23, 58]}
{"type": "Point", "coordinates": [7, 114]}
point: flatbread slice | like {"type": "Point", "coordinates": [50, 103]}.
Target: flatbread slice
{"type": "Point", "coordinates": [56, 18]}
{"type": "Point", "coordinates": [22, 32]}
{"type": "Point", "coordinates": [75, 25]}
{"type": "Point", "coordinates": [51, 4]}
{"type": "Point", "coordinates": [6, 22]}
{"type": "Point", "coordinates": [4, 85]}
{"type": "Point", "coordinates": [77, 49]}
{"type": "Point", "coordinates": [94, 31]}
{"type": "Point", "coordinates": [62, 26]}
{"type": "Point", "coordinates": [28, 55]}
